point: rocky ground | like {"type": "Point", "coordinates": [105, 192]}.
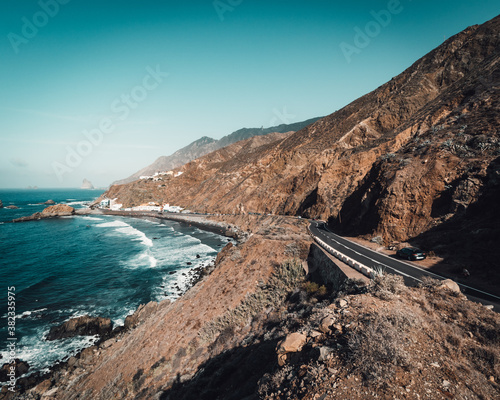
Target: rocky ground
{"type": "Point", "coordinates": [381, 341]}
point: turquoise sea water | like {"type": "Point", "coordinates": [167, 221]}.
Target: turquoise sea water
{"type": "Point", "coordinates": [98, 265]}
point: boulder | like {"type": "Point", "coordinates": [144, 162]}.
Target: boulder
{"type": "Point", "coordinates": [324, 353]}
{"type": "Point", "coordinates": [342, 303]}
{"type": "Point", "coordinates": [49, 202]}
{"type": "Point", "coordinates": [59, 210]}
{"type": "Point", "coordinates": [12, 207]}
{"type": "Point", "coordinates": [1, 204]}
{"type": "Point", "coordinates": [292, 343]}
{"type": "Point", "coordinates": [450, 285]}
{"type": "Point", "coordinates": [326, 323]}
{"type": "Point", "coordinates": [21, 368]}
{"type": "Point", "coordinates": [81, 326]}
{"type": "Point", "coordinates": [72, 361]}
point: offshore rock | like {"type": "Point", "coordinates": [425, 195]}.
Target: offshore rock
{"type": "Point", "coordinates": [86, 184]}
{"type": "Point", "coordinates": [81, 326]}
{"type": "Point", "coordinates": [59, 210]}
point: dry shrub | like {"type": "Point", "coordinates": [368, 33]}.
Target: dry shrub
{"type": "Point", "coordinates": [486, 360]}
{"type": "Point", "coordinates": [386, 286]}
{"type": "Point", "coordinates": [429, 283]}
{"type": "Point", "coordinates": [286, 276]}
{"type": "Point", "coordinates": [314, 289]}
{"type": "Point", "coordinates": [379, 345]}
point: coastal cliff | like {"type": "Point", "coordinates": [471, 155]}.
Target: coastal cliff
{"type": "Point", "coordinates": [416, 159]}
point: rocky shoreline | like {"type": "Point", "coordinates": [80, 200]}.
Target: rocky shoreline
{"type": "Point", "coordinates": [63, 210]}
{"type": "Point", "coordinates": [38, 384]}
{"type": "Point", "coordinates": [219, 227]}
{"type": "Point", "coordinates": [87, 325]}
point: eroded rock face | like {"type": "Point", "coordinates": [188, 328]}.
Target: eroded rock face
{"type": "Point", "coordinates": [81, 326]}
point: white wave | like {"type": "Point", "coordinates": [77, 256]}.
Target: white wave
{"type": "Point", "coordinates": [112, 224]}
{"type": "Point", "coordinates": [143, 260]}
{"type": "Point", "coordinates": [29, 313]}
{"type": "Point", "coordinates": [41, 354]}
{"type": "Point", "coordinates": [70, 199]}
{"type": "Point", "coordinates": [134, 232]}
{"type": "Point", "coordinates": [76, 203]}
{"type": "Point", "coordinates": [152, 261]}
{"type": "Point", "coordinates": [151, 221]}
{"type": "Point", "coordinates": [92, 218]}
{"type": "Point", "coordinates": [126, 229]}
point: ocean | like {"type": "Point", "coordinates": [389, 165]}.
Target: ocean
{"type": "Point", "coordinates": [103, 266]}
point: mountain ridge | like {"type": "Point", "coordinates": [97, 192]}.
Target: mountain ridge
{"type": "Point", "coordinates": [206, 145]}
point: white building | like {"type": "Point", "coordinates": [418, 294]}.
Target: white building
{"type": "Point", "coordinates": [173, 209]}
{"type": "Point", "coordinates": [147, 207]}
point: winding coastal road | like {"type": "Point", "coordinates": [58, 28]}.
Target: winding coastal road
{"type": "Point", "coordinates": [412, 274]}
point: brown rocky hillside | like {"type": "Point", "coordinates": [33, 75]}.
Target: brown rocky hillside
{"type": "Point", "coordinates": [416, 158]}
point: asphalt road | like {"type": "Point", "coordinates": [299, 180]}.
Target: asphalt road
{"type": "Point", "coordinates": [412, 274]}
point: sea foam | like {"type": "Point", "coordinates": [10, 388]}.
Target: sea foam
{"type": "Point", "coordinates": [126, 229]}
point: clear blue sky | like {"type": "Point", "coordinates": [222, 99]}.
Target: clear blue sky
{"type": "Point", "coordinates": [70, 66]}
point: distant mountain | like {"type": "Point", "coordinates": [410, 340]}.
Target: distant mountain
{"type": "Point", "coordinates": [86, 184]}
{"type": "Point", "coordinates": [206, 145]}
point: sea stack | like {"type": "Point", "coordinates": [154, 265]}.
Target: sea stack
{"type": "Point", "coordinates": [1, 204]}
{"type": "Point", "coordinates": [86, 184]}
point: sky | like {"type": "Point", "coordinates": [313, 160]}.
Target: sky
{"type": "Point", "coordinates": [100, 89]}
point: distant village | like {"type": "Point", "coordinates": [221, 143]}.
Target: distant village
{"type": "Point", "coordinates": [158, 175]}
{"type": "Point", "coordinates": [113, 205]}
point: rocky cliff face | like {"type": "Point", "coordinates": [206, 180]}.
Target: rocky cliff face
{"type": "Point", "coordinates": [408, 157]}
